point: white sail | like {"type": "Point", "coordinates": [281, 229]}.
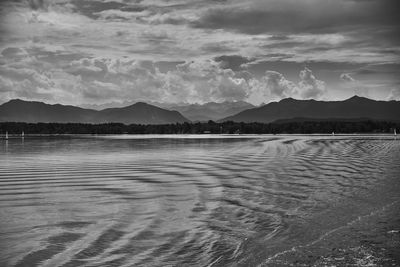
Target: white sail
{"type": "Point", "coordinates": [6, 135]}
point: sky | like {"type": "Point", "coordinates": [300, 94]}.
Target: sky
{"type": "Point", "coordinates": [196, 51]}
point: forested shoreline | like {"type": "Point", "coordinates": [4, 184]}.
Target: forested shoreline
{"type": "Point", "coordinates": [210, 127]}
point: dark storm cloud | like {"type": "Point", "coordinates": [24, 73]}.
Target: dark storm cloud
{"type": "Point", "coordinates": [302, 16]}
{"type": "Point", "coordinates": [233, 62]}
{"type": "Point", "coordinates": [38, 4]}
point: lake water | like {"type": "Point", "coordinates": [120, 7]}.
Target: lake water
{"type": "Point", "coordinates": [200, 201]}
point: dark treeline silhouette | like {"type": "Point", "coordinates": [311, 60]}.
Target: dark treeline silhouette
{"type": "Point", "coordinates": [303, 127]}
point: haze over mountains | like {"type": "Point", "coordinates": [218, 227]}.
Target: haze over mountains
{"type": "Point", "coordinates": [209, 111]}
{"type": "Point", "coordinates": [354, 108]}
{"type": "Point", "coordinates": [194, 112]}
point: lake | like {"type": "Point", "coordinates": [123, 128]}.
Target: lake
{"type": "Point", "coordinates": [200, 201]}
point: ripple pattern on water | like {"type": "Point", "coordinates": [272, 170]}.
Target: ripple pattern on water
{"type": "Point", "coordinates": [109, 201]}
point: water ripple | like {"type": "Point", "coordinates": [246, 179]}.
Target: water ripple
{"type": "Point", "coordinates": [183, 202]}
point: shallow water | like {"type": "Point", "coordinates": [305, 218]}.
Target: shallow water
{"type": "Point", "coordinates": [196, 201]}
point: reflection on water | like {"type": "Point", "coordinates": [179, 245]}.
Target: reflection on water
{"type": "Point", "coordinates": [245, 201]}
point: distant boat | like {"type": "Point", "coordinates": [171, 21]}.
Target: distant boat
{"type": "Point", "coordinates": [395, 132]}
{"type": "Point", "coordinates": [22, 134]}
{"type": "Point", "coordinates": [333, 133]}
{"type": "Point", "coordinates": [6, 135]}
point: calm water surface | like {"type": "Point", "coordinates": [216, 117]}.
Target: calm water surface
{"type": "Point", "coordinates": [190, 201]}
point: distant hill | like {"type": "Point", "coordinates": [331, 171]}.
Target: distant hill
{"type": "Point", "coordinates": [210, 111]}
{"type": "Point", "coordinates": [141, 113]}
{"type": "Point", "coordinates": [194, 112]}
{"type": "Point", "coordinates": [352, 108]}
{"type": "Point", "coordinates": [30, 111]}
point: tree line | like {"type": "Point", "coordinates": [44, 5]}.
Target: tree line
{"type": "Point", "coordinates": [210, 127]}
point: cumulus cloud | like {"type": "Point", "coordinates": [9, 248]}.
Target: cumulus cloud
{"type": "Point", "coordinates": [25, 76]}
{"type": "Point", "coordinates": [278, 85]}
{"type": "Point", "coordinates": [309, 86]}
{"type": "Point", "coordinates": [107, 48]}
{"type": "Point", "coordinates": [86, 67]}
{"type": "Point", "coordinates": [102, 79]}
{"type": "Point", "coordinates": [37, 79]}
{"type": "Point", "coordinates": [6, 85]}
{"type": "Point", "coordinates": [89, 80]}
{"type": "Point", "coordinates": [26, 83]}
{"type": "Point", "coordinates": [274, 86]}
{"type": "Point", "coordinates": [207, 81]}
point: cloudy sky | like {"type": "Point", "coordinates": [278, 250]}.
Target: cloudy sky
{"type": "Point", "coordinates": [112, 51]}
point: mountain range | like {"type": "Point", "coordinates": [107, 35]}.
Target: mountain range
{"type": "Point", "coordinates": [194, 112]}
{"type": "Point", "coordinates": [209, 111]}
{"type": "Point", "coordinates": [355, 108]}
{"type": "Point", "coordinates": [138, 113]}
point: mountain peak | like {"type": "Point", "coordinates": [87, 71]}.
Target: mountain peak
{"type": "Point", "coordinates": [356, 98]}
{"type": "Point", "coordinates": [19, 102]}
{"type": "Point", "coordinates": [16, 100]}
{"type": "Point", "coordinates": [140, 104]}
{"type": "Point", "coordinates": [287, 100]}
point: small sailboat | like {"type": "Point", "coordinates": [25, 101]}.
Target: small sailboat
{"type": "Point", "coordinates": [6, 135]}
{"type": "Point", "coordinates": [22, 134]}
{"type": "Point", "coordinates": [333, 133]}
